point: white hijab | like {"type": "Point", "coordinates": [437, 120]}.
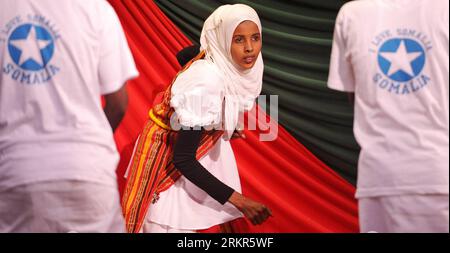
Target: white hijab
{"type": "Point", "coordinates": [241, 87]}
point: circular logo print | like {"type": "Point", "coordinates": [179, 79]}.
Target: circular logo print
{"type": "Point", "coordinates": [401, 59]}
{"type": "Point", "coordinates": [31, 47]}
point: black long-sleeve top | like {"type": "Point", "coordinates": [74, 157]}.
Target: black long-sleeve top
{"type": "Point", "coordinates": [185, 161]}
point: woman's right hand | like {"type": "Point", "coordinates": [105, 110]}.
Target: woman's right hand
{"type": "Point", "coordinates": [256, 212]}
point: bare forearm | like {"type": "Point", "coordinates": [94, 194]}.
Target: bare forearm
{"type": "Point", "coordinates": [114, 116]}
{"type": "Point", "coordinates": [116, 105]}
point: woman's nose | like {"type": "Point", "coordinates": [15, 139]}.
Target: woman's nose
{"type": "Point", "coordinates": [248, 47]}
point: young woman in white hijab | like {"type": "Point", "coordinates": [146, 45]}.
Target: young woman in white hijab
{"type": "Point", "coordinates": [212, 93]}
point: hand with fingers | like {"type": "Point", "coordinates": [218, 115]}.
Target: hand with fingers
{"type": "Point", "coordinates": [256, 212]}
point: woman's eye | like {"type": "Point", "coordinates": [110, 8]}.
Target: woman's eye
{"type": "Point", "coordinates": [255, 38]}
{"type": "Point", "coordinates": [238, 39]}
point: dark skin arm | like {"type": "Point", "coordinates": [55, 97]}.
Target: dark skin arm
{"type": "Point", "coordinates": [116, 104]}
{"type": "Point", "coordinates": [351, 98]}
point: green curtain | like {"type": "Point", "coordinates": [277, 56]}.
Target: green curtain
{"type": "Point", "coordinates": [297, 36]}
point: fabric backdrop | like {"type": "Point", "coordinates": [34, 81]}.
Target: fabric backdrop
{"type": "Point", "coordinates": [297, 37]}
{"type": "Point", "coordinates": [304, 194]}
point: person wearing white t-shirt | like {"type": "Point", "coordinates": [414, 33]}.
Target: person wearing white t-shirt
{"type": "Point", "coordinates": [57, 152]}
{"type": "Point", "coordinates": [394, 56]}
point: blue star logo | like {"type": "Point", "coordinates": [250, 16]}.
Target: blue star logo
{"type": "Point", "coordinates": [401, 59]}
{"type": "Point", "coordinates": [31, 47]}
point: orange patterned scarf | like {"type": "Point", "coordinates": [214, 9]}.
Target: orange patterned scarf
{"type": "Point", "coordinates": [151, 169]}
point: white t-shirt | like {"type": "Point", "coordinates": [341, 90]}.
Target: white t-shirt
{"type": "Point", "coordinates": [56, 60]}
{"type": "Point", "coordinates": [394, 55]}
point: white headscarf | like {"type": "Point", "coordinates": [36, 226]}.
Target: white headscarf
{"type": "Point", "coordinates": [241, 87]}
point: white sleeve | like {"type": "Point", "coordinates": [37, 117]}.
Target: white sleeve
{"type": "Point", "coordinates": [116, 64]}
{"type": "Point", "coordinates": [341, 76]}
{"type": "Point", "coordinates": [197, 99]}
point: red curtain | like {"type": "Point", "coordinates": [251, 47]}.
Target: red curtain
{"type": "Point", "coordinates": [303, 193]}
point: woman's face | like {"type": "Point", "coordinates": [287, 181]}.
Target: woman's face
{"type": "Point", "coordinates": [246, 45]}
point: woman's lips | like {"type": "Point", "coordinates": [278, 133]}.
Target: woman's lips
{"type": "Point", "coordinates": [249, 59]}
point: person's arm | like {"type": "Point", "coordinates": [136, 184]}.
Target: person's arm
{"type": "Point", "coordinates": [115, 106]}
{"type": "Point", "coordinates": [185, 161]}
{"type": "Point", "coordinates": [351, 98]}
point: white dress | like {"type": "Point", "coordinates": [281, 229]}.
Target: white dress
{"type": "Point", "coordinates": [197, 97]}
{"type": "Point", "coordinates": [185, 206]}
